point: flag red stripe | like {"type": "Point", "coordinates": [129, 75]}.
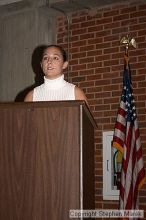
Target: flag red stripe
{"type": "Point", "coordinates": [129, 201]}
{"type": "Point", "coordinates": [127, 146]}
{"type": "Point", "coordinates": [121, 111]}
{"type": "Point", "coordinates": [120, 127]}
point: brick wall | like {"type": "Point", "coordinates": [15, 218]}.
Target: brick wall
{"type": "Point", "coordinates": [96, 65]}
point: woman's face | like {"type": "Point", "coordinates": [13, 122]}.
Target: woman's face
{"type": "Point", "coordinates": [52, 63]}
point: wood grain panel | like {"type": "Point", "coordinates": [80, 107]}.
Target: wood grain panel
{"type": "Point", "coordinates": [39, 163]}
{"type": "Point", "coordinates": [88, 163]}
{"type": "Point", "coordinates": [16, 160]}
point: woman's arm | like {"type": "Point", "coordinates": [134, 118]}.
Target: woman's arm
{"type": "Point", "coordinates": [29, 97]}
{"type": "Point", "coordinates": [80, 95]}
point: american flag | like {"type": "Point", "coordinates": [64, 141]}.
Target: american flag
{"type": "Point", "coordinates": [126, 138]}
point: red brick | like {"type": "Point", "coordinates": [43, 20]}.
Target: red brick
{"type": "Point", "coordinates": [87, 24]}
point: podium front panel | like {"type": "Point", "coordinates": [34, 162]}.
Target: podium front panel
{"type": "Point", "coordinates": [40, 166]}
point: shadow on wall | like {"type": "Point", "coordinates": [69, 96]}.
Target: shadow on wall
{"type": "Point", "coordinates": [39, 76]}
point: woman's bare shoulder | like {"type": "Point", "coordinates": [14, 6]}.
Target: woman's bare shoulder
{"type": "Point", "coordinates": [29, 97]}
{"type": "Point", "coordinates": [79, 94]}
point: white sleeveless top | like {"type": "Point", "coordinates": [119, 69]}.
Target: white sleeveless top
{"type": "Point", "coordinates": [54, 90]}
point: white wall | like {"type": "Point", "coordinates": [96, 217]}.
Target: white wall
{"type": "Point", "coordinates": [20, 33]}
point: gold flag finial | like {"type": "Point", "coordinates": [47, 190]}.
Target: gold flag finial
{"type": "Point", "coordinates": [128, 41]}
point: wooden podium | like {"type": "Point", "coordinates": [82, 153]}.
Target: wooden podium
{"type": "Point", "coordinates": [46, 160]}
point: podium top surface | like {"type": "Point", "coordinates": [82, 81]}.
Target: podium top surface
{"type": "Point", "coordinates": [32, 105]}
